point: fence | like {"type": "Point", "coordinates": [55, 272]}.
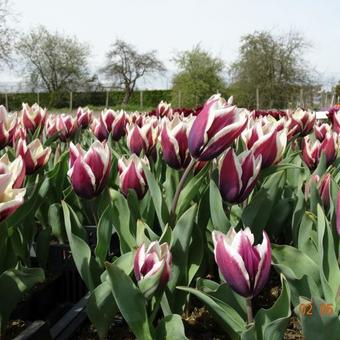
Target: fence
{"type": "Point", "coordinates": [70, 100]}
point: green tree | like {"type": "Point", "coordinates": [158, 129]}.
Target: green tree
{"type": "Point", "coordinates": [54, 62]}
{"type": "Point", "coordinates": [199, 76]}
{"type": "Point", "coordinates": [274, 65]}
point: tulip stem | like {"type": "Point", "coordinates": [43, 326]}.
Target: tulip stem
{"type": "Point", "coordinates": [249, 311]}
{"type": "Point", "coordinates": [179, 189]}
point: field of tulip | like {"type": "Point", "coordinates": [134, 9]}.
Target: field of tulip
{"type": "Point", "coordinates": [215, 223]}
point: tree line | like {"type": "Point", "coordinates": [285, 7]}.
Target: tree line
{"type": "Point", "coordinates": [269, 69]}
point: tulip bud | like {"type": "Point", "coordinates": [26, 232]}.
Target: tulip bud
{"type": "Point", "coordinates": [325, 189]}
{"type": "Point", "coordinates": [174, 142]}
{"type": "Point", "coordinates": [16, 169]}
{"type": "Point", "coordinates": [51, 126]}
{"type": "Point", "coordinates": [311, 153]}
{"type": "Point", "coordinates": [84, 117]}
{"type": "Point", "coordinates": [33, 117]}
{"type": "Point", "coordinates": [131, 175]}
{"type": "Point", "coordinates": [163, 109]}
{"type": "Point", "coordinates": [238, 175]}
{"type": "Point", "coordinates": [8, 124]}
{"type": "Point", "coordinates": [34, 155]}
{"type": "Point", "coordinates": [321, 130]}
{"type": "Point", "coordinates": [245, 267]}
{"type": "Point", "coordinates": [336, 121]}
{"type": "Point", "coordinates": [19, 133]}
{"type": "Point", "coordinates": [300, 122]}
{"type": "Point", "coordinates": [215, 128]}
{"type": "Point", "coordinates": [142, 139]}
{"type": "Point", "coordinates": [268, 139]}
{"type": "Point", "coordinates": [152, 267]}
{"type": "Point", "coordinates": [89, 171]}
{"type": "Point", "coordinates": [66, 126]}
{"type": "Point", "coordinates": [110, 121]}
{"type": "Point", "coordinates": [10, 198]}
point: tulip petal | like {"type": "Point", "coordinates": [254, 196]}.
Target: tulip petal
{"type": "Point", "coordinates": [232, 268]}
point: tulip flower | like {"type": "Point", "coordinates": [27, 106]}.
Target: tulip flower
{"type": "Point", "coordinates": [131, 175]}
{"type": "Point", "coordinates": [51, 126]}
{"type": "Point", "coordinates": [268, 140]}
{"type": "Point", "coordinates": [152, 267]}
{"type": "Point", "coordinates": [174, 142]}
{"type": "Point", "coordinates": [300, 122]}
{"type": "Point", "coordinates": [325, 189]}
{"type": "Point", "coordinates": [84, 117]}
{"type": "Point", "coordinates": [164, 109]}
{"type": "Point", "coordinates": [33, 117]}
{"type": "Point", "coordinates": [66, 126]}
{"type": "Point", "coordinates": [311, 153]}
{"type": "Point", "coordinates": [142, 139]}
{"type": "Point", "coordinates": [137, 118]}
{"type": "Point", "coordinates": [321, 130]}
{"type": "Point", "coordinates": [8, 124]}
{"type": "Point", "coordinates": [215, 128]}
{"type": "Point", "coordinates": [89, 171]}
{"type": "Point", "coordinates": [238, 175]}
{"type": "Point", "coordinates": [19, 133]}
{"type": "Point", "coordinates": [244, 266]}
{"type": "Point", "coordinates": [110, 121]}
{"type": "Point", "coordinates": [16, 169]}
{"type": "Point", "coordinates": [10, 198]}
{"type": "Point", "coordinates": [34, 155]}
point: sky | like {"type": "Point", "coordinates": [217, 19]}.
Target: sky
{"type": "Point", "coordinates": [176, 25]}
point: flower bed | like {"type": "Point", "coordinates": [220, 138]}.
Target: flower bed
{"type": "Point", "coordinates": [219, 222]}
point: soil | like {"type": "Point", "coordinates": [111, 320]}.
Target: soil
{"type": "Point", "coordinates": [14, 328]}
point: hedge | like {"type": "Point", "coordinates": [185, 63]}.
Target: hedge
{"type": "Point", "coordinates": [151, 98]}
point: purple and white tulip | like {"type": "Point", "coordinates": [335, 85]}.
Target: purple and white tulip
{"type": "Point", "coordinates": [238, 175]}
{"type": "Point", "coordinates": [174, 142]}
{"type": "Point", "coordinates": [311, 153]}
{"type": "Point", "coordinates": [268, 139]}
{"type": "Point", "coordinates": [215, 128]}
{"type": "Point", "coordinates": [244, 266]}
{"type": "Point", "coordinates": [16, 169]}
{"type": "Point", "coordinates": [164, 109]}
{"type": "Point", "coordinates": [300, 123]}
{"type": "Point", "coordinates": [10, 198]}
{"type": "Point", "coordinates": [66, 126]}
{"type": "Point", "coordinates": [131, 175]}
{"type": "Point", "coordinates": [143, 138]}
{"type": "Point", "coordinates": [89, 171]}
{"type": "Point", "coordinates": [8, 124]}
{"type": "Point", "coordinates": [34, 155]}
{"type": "Point", "coordinates": [321, 131]}
{"type": "Point", "coordinates": [33, 117]}
{"type": "Point", "coordinates": [84, 117]}
{"type": "Point", "coordinates": [152, 267]}
{"type": "Point", "coordinates": [110, 122]}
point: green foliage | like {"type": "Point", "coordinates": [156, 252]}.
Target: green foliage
{"type": "Point", "coordinates": [62, 99]}
{"type": "Point", "coordinates": [199, 76]}
{"type": "Point", "coordinates": [272, 64]}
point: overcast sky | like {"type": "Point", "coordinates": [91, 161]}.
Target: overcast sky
{"type": "Point", "coordinates": [174, 25]}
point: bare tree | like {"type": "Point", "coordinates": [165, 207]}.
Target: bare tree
{"type": "Point", "coordinates": [54, 62]}
{"type": "Point", "coordinates": [7, 34]}
{"type": "Point", "coordinates": [125, 65]}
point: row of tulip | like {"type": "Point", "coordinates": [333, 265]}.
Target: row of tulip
{"type": "Point", "coordinates": [252, 192]}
